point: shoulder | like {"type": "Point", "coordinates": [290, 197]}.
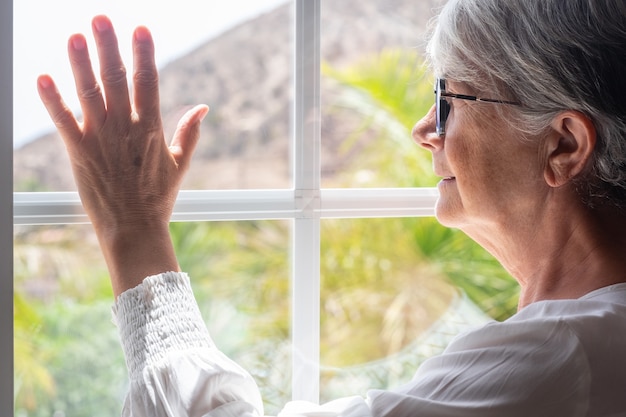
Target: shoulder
{"type": "Point", "coordinates": [551, 352]}
{"type": "Point", "coordinates": [593, 319]}
{"type": "Point", "coordinates": [513, 368]}
{"type": "Point", "coordinates": [556, 330]}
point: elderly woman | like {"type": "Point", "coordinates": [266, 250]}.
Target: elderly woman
{"type": "Point", "coordinates": [528, 133]}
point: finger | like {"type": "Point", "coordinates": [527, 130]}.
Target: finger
{"type": "Point", "coordinates": [61, 115]}
{"type": "Point", "coordinates": [187, 135]}
{"type": "Point", "coordinates": [145, 77]}
{"type": "Point", "coordinates": [87, 87]}
{"type": "Point", "coordinates": [112, 70]}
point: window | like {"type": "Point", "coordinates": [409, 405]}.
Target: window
{"type": "Point", "coordinates": [298, 208]}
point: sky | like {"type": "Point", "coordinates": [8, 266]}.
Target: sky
{"type": "Point", "coordinates": [41, 29]}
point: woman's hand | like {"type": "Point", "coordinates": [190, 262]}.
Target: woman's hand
{"type": "Point", "coordinates": [126, 175]}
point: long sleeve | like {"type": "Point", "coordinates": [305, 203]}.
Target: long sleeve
{"type": "Point", "coordinates": [175, 368]}
{"type": "Point", "coordinates": [542, 362]}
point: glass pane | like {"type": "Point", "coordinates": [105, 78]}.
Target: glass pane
{"type": "Point", "coordinates": [394, 293]}
{"type": "Point", "coordinates": [234, 56]}
{"type": "Point", "coordinates": [67, 355]}
{"type": "Point", "coordinates": [68, 360]}
{"type": "Point", "coordinates": [373, 91]}
{"type": "Point", "coordinates": [240, 273]}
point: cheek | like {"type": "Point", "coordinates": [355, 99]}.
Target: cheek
{"type": "Point", "coordinates": [486, 173]}
{"type": "Point", "coordinates": [471, 161]}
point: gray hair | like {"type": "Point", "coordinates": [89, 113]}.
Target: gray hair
{"type": "Point", "coordinates": [549, 55]}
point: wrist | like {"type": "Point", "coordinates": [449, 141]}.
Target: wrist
{"type": "Point", "coordinates": [135, 252]}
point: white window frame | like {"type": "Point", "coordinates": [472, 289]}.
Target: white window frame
{"type": "Point", "coordinates": [305, 204]}
{"type": "Point", "coordinates": [6, 208]}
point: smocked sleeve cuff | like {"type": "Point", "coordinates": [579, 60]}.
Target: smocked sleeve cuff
{"type": "Point", "coordinates": [158, 317]}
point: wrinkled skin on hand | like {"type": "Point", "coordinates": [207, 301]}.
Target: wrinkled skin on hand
{"type": "Point", "coordinates": [126, 174]}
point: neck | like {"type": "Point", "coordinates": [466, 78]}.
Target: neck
{"type": "Point", "coordinates": [564, 256]}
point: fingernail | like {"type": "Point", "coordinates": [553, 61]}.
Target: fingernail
{"type": "Point", "coordinates": [78, 42]}
{"type": "Point", "coordinates": [142, 33]}
{"type": "Point", "coordinates": [44, 81]}
{"type": "Point", "coordinates": [101, 23]}
{"type": "Point", "coordinates": [202, 114]}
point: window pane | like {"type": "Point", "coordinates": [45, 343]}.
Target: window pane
{"type": "Point", "coordinates": [67, 354]}
{"type": "Point", "coordinates": [373, 91]}
{"type": "Point", "coordinates": [68, 359]}
{"type": "Point", "coordinates": [234, 56]}
{"type": "Point", "coordinates": [240, 275]}
{"type": "Point", "coordinates": [394, 293]}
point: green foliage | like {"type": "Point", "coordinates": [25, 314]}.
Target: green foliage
{"type": "Point", "coordinates": [240, 275]}
{"type": "Point", "coordinates": [378, 292]}
{"type": "Point", "coordinates": [67, 357]}
{"type": "Point", "coordinates": [29, 184]}
{"type": "Point", "coordinates": [242, 267]}
{"type": "Point", "coordinates": [32, 377]}
{"type": "Point", "coordinates": [389, 93]}
{"type": "Point", "coordinates": [84, 359]}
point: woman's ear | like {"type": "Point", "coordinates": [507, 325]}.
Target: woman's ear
{"type": "Point", "coordinates": [569, 147]}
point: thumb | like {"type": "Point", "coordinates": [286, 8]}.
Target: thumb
{"type": "Point", "coordinates": [187, 135]}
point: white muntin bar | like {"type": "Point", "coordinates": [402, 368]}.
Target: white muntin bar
{"type": "Point", "coordinates": [46, 208]}
{"type": "Point", "coordinates": [305, 269]}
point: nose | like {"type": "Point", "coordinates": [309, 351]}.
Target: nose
{"type": "Point", "coordinates": [424, 133]}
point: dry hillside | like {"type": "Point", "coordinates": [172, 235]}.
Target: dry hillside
{"type": "Point", "coordinates": [245, 76]}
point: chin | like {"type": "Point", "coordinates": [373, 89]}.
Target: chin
{"type": "Point", "coordinates": [446, 221]}
{"type": "Point", "coordinates": [447, 214]}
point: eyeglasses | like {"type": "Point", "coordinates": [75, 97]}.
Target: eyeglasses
{"type": "Point", "coordinates": [443, 107]}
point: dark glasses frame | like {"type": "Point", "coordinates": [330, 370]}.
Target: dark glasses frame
{"type": "Point", "coordinates": [443, 107]}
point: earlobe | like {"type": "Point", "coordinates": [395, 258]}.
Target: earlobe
{"type": "Point", "coordinates": [569, 147]}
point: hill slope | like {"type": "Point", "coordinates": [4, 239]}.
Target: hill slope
{"type": "Point", "coordinates": [245, 76]}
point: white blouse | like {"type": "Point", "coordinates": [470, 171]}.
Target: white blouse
{"type": "Point", "coordinates": [553, 358]}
